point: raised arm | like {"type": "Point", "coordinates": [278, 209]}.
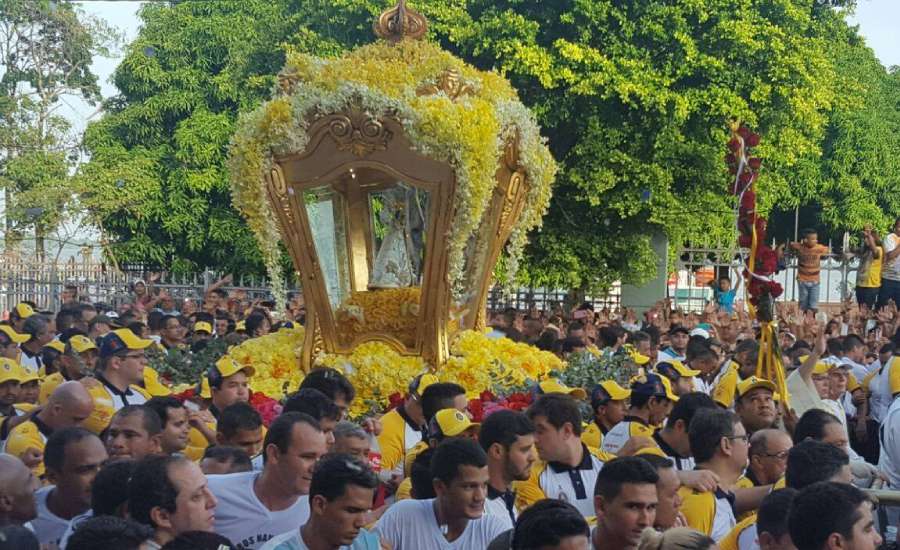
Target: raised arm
{"type": "Point", "coordinates": [806, 369]}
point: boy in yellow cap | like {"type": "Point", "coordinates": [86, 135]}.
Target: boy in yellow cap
{"type": "Point", "coordinates": [609, 403]}
{"type": "Point", "coordinates": [401, 428]}
{"type": "Point", "coordinates": [10, 380]}
{"type": "Point", "coordinates": [9, 342]}
{"type": "Point", "coordinates": [652, 400]}
{"type": "Point", "coordinates": [29, 387]}
{"type": "Point", "coordinates": [79, 358]}
{"type": "Point", "coordinates": [742, 365]}
{"type": "Point", "coordinates": [18, 315]}
{"type": "Point", "coordinates": [229, 382]}
{"type": "Point", "coordinates": [554, 385]}
{"type": "Point", "coordinates": [681, 377]}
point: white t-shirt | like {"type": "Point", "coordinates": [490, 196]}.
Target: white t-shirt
{"type": "Point", "coordinates": [293, 541]}
{"type": "Point", "coordinates": [48, 527]}
{"type": "Point", "coordinates": [412, 525]}
{"type": "Point", "coordinates": [880, 387]}
{"type": "Point", "coordinates": [243, 519]}
{"type": "Point", "coordinates": [76, 521]}
{"type": "Point", "coordinates": [889, 435]}
{"type": "Point", "coordinates": [891, 270]}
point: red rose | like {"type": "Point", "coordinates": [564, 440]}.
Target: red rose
{"type": "Point", "coordinates": [755, 163]}
{"type": "Point", "coordinates": [744, 132]}
{"type": "Point", "coordinates": [753, 140]}
{"type": "Point", "coordinates": [734, 145]}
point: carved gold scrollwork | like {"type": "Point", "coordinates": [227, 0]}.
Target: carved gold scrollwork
{"type": "Point", "coordinates": [276, 179]}
{"type": "Point", "coordinates": [318, 342]}
{"type": "Point", "coordinates": [511, 153]}
{"type": "Point", "coordinates": [401, 22]}
{"type": "Point", "coordinates": [516, 184]}
{"type": "Point", "coordinates": [451, 83]}
{"type": "Point", "coordinates": [360, 133]}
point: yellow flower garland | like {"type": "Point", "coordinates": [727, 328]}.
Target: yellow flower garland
{"type": "Point", "coordinates": [477, 362]}
{"type": "Point", "coordinates": [467, 132]}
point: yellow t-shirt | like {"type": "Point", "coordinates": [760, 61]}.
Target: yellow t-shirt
{"type": "Point", "coordinates": [710, 513]}
{"type": "Point", "coordinates": [393, 440]}
{"type": "Point", "coordinates": [592, 436]}
{"type": "Point", "coordinates": [732, 541]}
{"type": "Point", "coordinates": [873, 276]}
{"type": "Point", "coordinates": [26, 436]}
{"type": "Point", "coordinates": [725, 391]}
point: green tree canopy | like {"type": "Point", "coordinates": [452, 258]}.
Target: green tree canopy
{"type": "Point", "coordinates": [635, 97]}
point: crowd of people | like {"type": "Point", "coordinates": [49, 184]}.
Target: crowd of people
{"type": "Point", "coordinates": [685, 449]}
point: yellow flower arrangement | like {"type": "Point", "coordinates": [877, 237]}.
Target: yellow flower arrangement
{"type": "Point", "coordinates": [477, 363]}
{"type": "Point", "coordinates": [391, 310]}
{"type": "Point", "coordinates": [468, 132]}
{"type": "Point", "coordinates": [276, 360]}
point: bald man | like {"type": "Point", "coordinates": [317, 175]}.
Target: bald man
{"type": "Point", "coordinates": [17, 487]}
{"type": "Point", "coordinates": [69, 405]}
{"type": "Point", "coordinates": [768, 456]}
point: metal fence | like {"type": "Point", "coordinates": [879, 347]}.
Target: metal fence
{"type": "Point", "coordinates": [44, 282]}
{"type": "Point", "coordinates": [689, 291]}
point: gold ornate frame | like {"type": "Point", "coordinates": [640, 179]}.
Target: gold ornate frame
{"type": "Point", "coordinates": [339, 146]}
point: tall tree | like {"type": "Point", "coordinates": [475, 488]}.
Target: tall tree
{"type": "Point", "coordinates": [634, 95]}
{"type": "Point", "coordinates": [47, 48]}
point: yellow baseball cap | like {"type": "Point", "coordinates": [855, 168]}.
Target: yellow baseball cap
{"type": "Point", "coordinates": [9, 371]}
{"type": "Point", "coordinates": [752, 383]}
{"type": "Point", "coordinates": [228, 367]}
{"type": "Point", "coordinates": [652, 450]}
{"type": "Point", "coordinates": [654, 385]}
{"type": "Point", "coordinates": [120, 340]}
{"type": "Point", "coordinates": [23, 310]}
{"type": "Point", "coordinates": [203, 326]}
{"type": "Point", "coordinates": [451, 422]}
{"type": "Point", "coordinates": [152, 384]}
{"type": "Point", "coordinates": [56, 345]}
{"type": "Point", "coordinates": [27, 375]}
{"type": "Point", "coordinates": [81, 343]}
{"type": "Point", "coordinates": [104, 409]}
{"type": "Point", "coordinates": [205, 392]}
{"type": "Point", "coordinates": [667, 368]}
{"type": "Point", "coordinates": [852, 383]}
{"type": "Point", "coordinates": [821, 367]}
{"type": "Point", "coordinates": [609, 390]}
{"type": "Point", "coordinates": [894, 379]}
{"type": "Point", "coordinates": [553, 385]}
{"type": "Point", "coordinates": [240, 326]}
{"type": "Point", "coordinates": [638, 358]}
{"type": "Point", "coordinates": [13, 335]}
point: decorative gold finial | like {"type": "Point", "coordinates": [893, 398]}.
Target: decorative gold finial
{"type": "Point", "coordinates": [401, 22]}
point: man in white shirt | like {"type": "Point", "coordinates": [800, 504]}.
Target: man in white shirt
{"type": "Point", "coordinates": [170, 494]}
{"type": "Point", "coordinates": [808, 383]}
{"type": "Point", "coordinates": [455, 519]}
{"type": "Point", "coordinates": [340, 497]}
{"type": "Point", "coordinates": [255, 507]}
{"type": "Point", "coordinates": [72, 459]}
{"type": "Point", "coordinates": [678, 342]}
{"type": "Point", "coordinates": [508, 439]}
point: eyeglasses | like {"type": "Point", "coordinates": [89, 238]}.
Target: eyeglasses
{"type": "Point", "coordinates": [745, 438]}
{"type": "Point", "coordinates": [780, 456]}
